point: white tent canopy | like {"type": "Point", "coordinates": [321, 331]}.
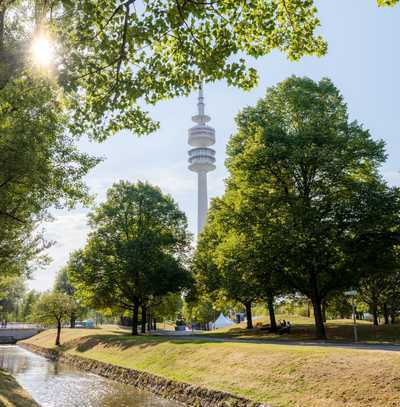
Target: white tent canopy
{"type": "Point", "coordinates": [222, 321]}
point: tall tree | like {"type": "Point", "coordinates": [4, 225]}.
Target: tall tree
{"type": "Point", "coordinates": [298, 147]}
{"type": "Point", "coordinates": [374, 249]}
{"type": "Point", "coordinates": [226, 262]}
{"type": "Point", "coordinates": [53, 309]}
{"type": "Point", "coordinates": [64, 285]}
{"type": "Point", "coordinates": [136, 249]}
{"type": "Point", "coordinates": [40, 165]}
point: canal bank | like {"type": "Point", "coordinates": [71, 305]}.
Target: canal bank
{"type": "Point", "coordinates": [34, 381]}
{"type": "Point", "coordinates": [274, 374]}
{"type": "Point", "coordinates": [12, 394]}
{"type": "Point", "coordinates": [180, 392]}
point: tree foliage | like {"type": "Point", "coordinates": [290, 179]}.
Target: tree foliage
{"type": "Point", "coordinates": [229, 262]}
{"type": "Point", "coordinates": [64, 285]}
{"type": "Point", "coordinates": [28, 301]}
{"type": "Point", "coordinates": [314, 169]}
{"type": "Point", "coordinates": [136, 249]}
{"type": "Point", "coordinates": [40, 165]}
{"type": "Point", "coordinates": [389, 3]}
{"type": "Point", "coordinates": [62, 282]}
{"type": "Point", "coordinates": [53, 308]}
{"type": "Point", "coordinates": [113, 55]}
{"type": "Point", "coordinates": [12, 290]}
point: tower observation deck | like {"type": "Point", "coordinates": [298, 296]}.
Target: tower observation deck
{"type": "Point", "coordinates": [201, 157]}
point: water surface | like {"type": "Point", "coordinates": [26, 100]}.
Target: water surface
{"type": "Point", "coordinates": [53, 384]}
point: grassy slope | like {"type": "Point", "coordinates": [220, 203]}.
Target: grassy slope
{"type": "Point", "coordinates": [281, 375]}
{"type": "Point", "coordinates": [12, 394]}
{"type": "Point", "coordinates": [303, 328]}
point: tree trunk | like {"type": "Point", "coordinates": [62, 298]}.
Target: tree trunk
{"type": "Point", "coordinates": [135, 318]}
{"type": "Point", "coordinates": [386, 313]}
{"type": "Point", "coordinates": [308, 309]}
{"type": "Point", "coordinates": [317, 302]}
{"type": "Point", "coordinates": [2, 18]}
{"type": "Point", "coordinates": [375, 313]}
{"type": "Point", "coordinates": [154, 324]}
{"type": "Point", "coordinates": [58, 333]}
{"type": "Point", "coordinates": [272, 319]}
{"type": "Point", "coordinates": [72, 321]}
{"type": "Point", "coordinates": [323, 311]}
{"type": "Point", "coordinates": [392, 317]}
{"type": "Point", "coordinates": [248, 315]}
{"type": "Point", "coordinates": [149, 320]}
{"type": "Point", "coordinates": [319, 322]}
{"type": "Point", "coordinates": [144, 316]}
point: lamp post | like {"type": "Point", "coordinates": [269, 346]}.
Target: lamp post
{"type": "Point", "coordinates": [352, 294]}
{"type": "Point", "coordinates": [214, 317]}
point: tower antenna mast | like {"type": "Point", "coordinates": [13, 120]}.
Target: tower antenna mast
{"type": "Point", "coordinates": [201, 157]}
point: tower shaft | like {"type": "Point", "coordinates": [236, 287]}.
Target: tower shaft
{"type": "Point", "coordinates": [202, 200]}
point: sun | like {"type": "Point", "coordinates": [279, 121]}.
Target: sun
{"type": "Point", "coordinates": [42, 51]}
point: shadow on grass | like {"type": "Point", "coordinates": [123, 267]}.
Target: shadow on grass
{"type": "Point", "coordinates": [119, 341]}
{"type": "Point", "coordinates": [301, 334]}
{"type": "Point", "coordinates": [123, 342]}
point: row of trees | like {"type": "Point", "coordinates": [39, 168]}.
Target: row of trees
{"type": "Point", "coordinates": [305, 212]}
{"type": "Point", "coordinates": [305, 209]}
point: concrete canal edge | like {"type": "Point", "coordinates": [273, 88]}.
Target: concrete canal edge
{"type": "Point", "coordinates": [12, 393]}
{"type": "Point", "coordinates": [194, 396]}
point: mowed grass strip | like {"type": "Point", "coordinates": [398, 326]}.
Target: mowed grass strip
{"type": "Point", "coordinates": [278, 374]}
{"type": "Point", "coordinates": [303, 329]}
{"type": "Point", "coordinates": [12, 394]}
{"type": "Point", "coordinates": [47, 338]}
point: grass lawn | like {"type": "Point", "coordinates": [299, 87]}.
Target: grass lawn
{"type": "Point", "coordinates": [12, 394]}
{"type": "Point", "coordinates": [303, 329]}
{"type": "Point", "coordinates": [278, 374]}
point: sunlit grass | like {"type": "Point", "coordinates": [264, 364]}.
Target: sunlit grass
{"type": "Point", "coordinates": [279, 374]}
{"type": "Point", "coordinates": [303, 329]}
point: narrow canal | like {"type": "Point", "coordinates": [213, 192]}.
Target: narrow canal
{"type": "Point", "coordinates": [53, 384]}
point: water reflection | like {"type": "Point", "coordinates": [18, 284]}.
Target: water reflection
{"type": "Point", "coordinates": [53, 384]}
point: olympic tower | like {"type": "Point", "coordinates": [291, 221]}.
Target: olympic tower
{"type": "Point", "coordinates": [201, 157]}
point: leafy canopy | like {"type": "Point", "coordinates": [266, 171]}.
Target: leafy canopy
{"type": "Point", "coordinates": [40, 165]}
{"type": "Point", "coordinates": [137, 248]}
{"type": "Point", "coordinates": [297, 156]}
{"type": "Point", "coordinates": [52, 308]}
{"type": "Point", "coordinates": [390, 3]}
{"type": "Point", "coordinates": [113, 56]}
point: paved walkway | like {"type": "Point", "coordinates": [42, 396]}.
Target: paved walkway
{"type": "Point", "coordinates": [197, 335]}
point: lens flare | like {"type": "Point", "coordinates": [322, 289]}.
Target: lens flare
{"type": "Point", "coordinates": [42, 51]}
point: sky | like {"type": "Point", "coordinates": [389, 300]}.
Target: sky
{"type": "Point", "coordinates": [363, 61]}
